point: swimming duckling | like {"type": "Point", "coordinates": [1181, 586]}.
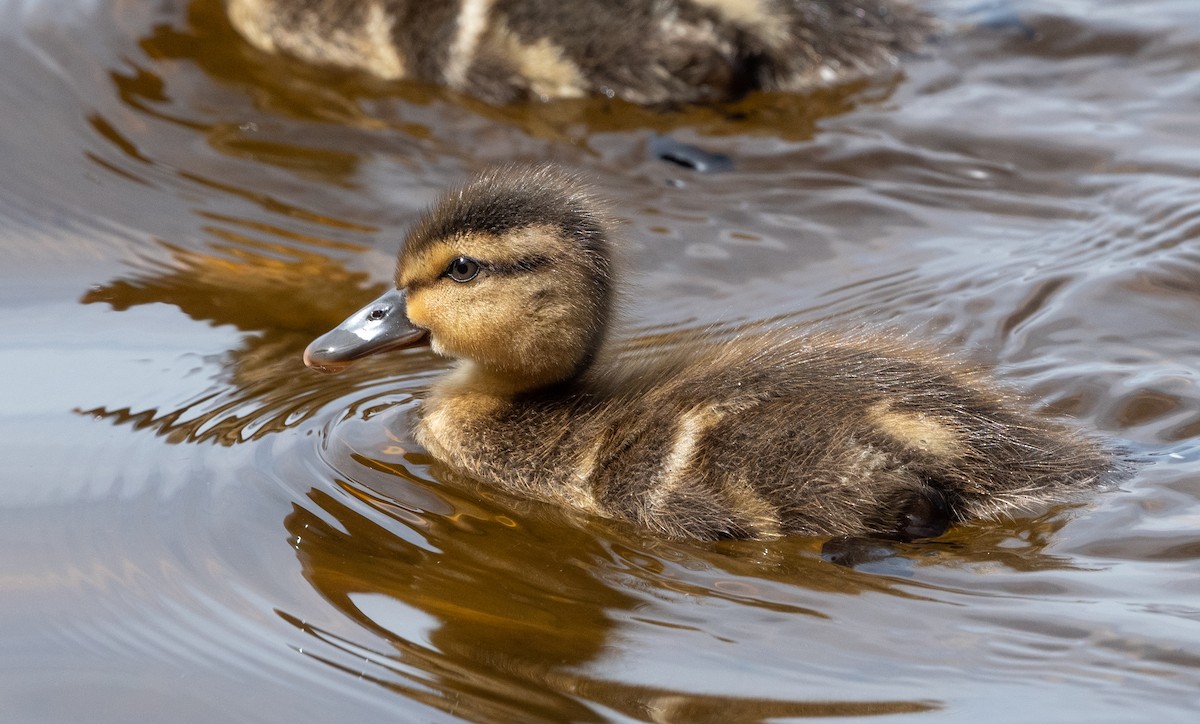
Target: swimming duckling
{"type": "Point", "coordinates": [645, 51]}
{"type": "Point", "coordinates": [511, 275]}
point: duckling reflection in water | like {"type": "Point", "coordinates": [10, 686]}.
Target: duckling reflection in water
{"type": "Point", "coordinates": [511, 275]}
{"type": "Point", "coordinates": [644, 51]}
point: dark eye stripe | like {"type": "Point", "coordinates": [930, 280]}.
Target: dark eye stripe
{"type": "Point", "coordinates": [524, 265]}
{"type": "Point", "coordinates": [518, 267]}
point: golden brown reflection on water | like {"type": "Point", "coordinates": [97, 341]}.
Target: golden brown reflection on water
{"type": "Point", "coordinates": [183, 502]}
{"type": "Point", "coordinates": [510, 631]}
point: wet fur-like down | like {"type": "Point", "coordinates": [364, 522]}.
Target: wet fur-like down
{"type": "Point", "coordinates": [645, 51]}
{"type": "Point", "coordinates": [761, 437]}
{"type": "Point", "coordinates": [769, 434]}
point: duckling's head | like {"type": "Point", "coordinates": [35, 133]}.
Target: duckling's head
{"type": "Point", "coordinates": [509, 273]}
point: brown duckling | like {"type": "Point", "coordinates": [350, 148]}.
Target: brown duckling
{"type": "Point", "coordinates": [818, 434]}
{"type": "Point", "coordinates": [644, 51]}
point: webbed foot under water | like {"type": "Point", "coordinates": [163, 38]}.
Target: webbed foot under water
{"type": "Point", "coordinates": [813, 433]}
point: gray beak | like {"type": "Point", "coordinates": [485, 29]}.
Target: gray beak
{"type": "Point", "coordinates": [381, 325]}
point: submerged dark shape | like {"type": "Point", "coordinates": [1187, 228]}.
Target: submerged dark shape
{"type": "Point", "coordinates": [688, 155]}
{"type": "Point", "coordinates": [644, 51]}
{"type": "Point", "coordinates": [816, 433]}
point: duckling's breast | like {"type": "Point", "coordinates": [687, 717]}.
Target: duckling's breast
{"type": "Point", "coordinates": [550, 450]}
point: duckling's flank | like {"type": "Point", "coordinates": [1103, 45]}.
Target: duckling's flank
{"type": "Point", "coordinates": [763, 436]}
{"type": "Point", "coordinates": [645, 51]}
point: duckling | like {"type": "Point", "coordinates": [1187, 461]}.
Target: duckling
{"type": "Point", "coordinates": [771, 434]}
{"type": "Point", "coordinates": [644, 51]}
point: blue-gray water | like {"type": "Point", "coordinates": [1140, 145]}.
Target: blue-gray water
{"type": "Point", "coordinates": [194, 528]}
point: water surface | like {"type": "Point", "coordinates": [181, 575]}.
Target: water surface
{"type": "Point", "coordinates": [195, 528]}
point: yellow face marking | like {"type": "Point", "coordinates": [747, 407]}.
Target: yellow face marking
{"type": "Point", "coordinates": [418, 314]}
{"type": "Point", "coordinates": [528, 326]}
{"type": "Point", "coordinates": [426, 265]}
{"type": "Point", "coordinates": [916, 430]}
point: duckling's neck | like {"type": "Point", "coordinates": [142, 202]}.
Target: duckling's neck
{"type": "Point", "coordinates": [470, 398]}
{"type": "Point", "coordinates": [471, 379]}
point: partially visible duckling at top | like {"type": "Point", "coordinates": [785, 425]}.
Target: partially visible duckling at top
{"type": "Point", "coordinates": [770, 434]}
{"type": "Point", "coordinates": [644, 51]}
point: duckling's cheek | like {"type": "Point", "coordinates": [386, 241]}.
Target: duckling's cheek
{"type": "Point", "coordinates": [462, 319]}
{"type": "Point", "coordinates": [418, 309]}
{"type": "Point", "coordinates": [429, 309]}
{"type": "Point", "coordinates": [451, 327]}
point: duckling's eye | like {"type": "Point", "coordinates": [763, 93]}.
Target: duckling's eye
{"type": "Point", "coordinates": [463, 269]}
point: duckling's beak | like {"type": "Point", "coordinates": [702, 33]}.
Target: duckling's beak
{"type": "Point", "coordinates": [383, 324]}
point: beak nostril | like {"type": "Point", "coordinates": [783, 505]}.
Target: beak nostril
{"type": "Point", "coordinates": [381, 325]}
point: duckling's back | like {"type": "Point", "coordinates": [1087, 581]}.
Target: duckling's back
{"type": "Point", "coordinates": [818, 436]}
{"type": "Point", "coordinates": [645, 51]}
